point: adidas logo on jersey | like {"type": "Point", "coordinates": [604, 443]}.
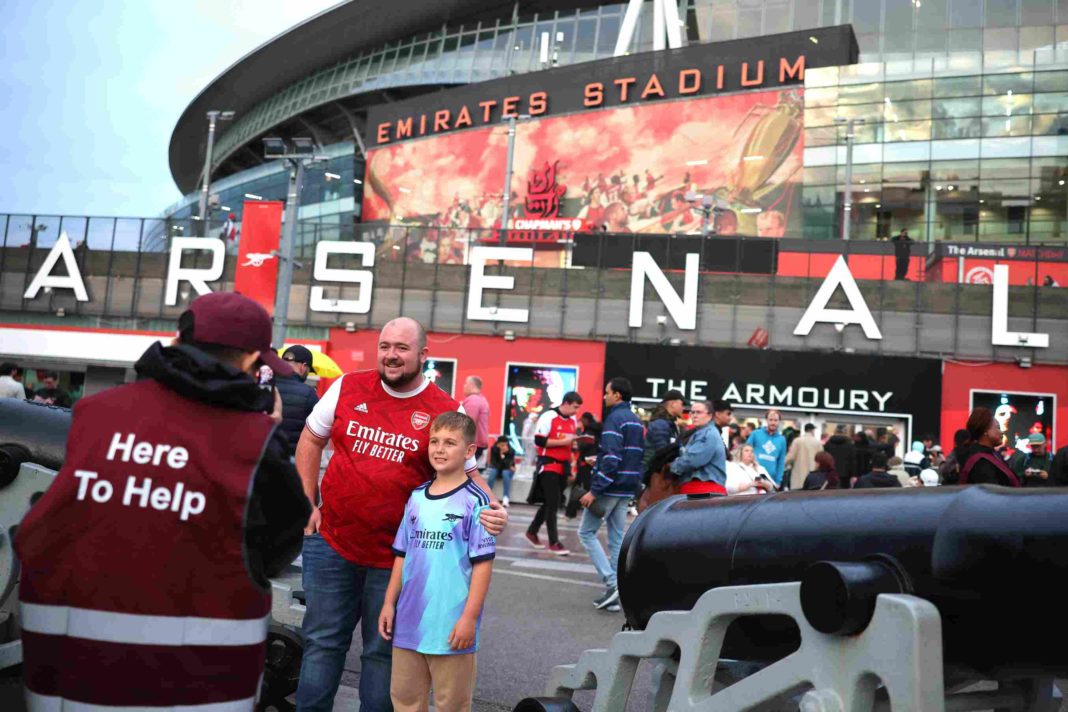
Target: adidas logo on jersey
{"type": "Point", "coordinates": [361, 408]}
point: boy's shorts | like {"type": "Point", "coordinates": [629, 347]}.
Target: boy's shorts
{"type": "Point", "coordinates": [452, 676]}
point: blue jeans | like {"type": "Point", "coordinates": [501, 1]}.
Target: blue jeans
{"type": "Point", "coordinates": [339, 595]}
{"type": "Point", "coordinates": [615, 516]}
{"type": "Point", "coordinates": [491, 475]}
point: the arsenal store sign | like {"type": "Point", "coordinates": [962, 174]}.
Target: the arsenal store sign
{"type": "Point", "coordinates": [800, 382]}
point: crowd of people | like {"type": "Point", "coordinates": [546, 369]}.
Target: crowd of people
{"type": "Point", "coordinates": [48, 390]}
{"type": "Point", "coordinates": [398, 535]}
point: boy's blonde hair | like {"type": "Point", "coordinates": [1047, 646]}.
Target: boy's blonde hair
{"type": "Point", "coordinates": [455, 420]}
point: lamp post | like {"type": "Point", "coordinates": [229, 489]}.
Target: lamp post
{"type": "Point", "coordinates": [512, 120]}
{"type": "Point", "coordinates": [847, 219]}
{"type": "Point", "coordinates": [297, 156]}
{"type": "Point", "coordinates": [213, 117]}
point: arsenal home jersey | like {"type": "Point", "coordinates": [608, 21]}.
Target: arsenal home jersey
{"type": "Point", "coordinates": [380, 440]}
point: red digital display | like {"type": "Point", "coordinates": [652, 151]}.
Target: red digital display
{"type": "Point", "coordinates": [625, 169]}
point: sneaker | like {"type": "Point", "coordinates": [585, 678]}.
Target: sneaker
{"type": "Point", "coordinates": [613, 608]}
{"type": "Point", "coordinates": [558, 549]}
{"type": "Point", "coordinates": [505, 503]}
{"type": "Point", "coordinates": [534, 541]}
{"type": "Point", "coordinates": [610, 596]}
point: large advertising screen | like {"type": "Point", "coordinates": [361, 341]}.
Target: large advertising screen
{"type": "Point", "coordinates": [530, 391]}
{"type": "Point", "coordinates": [1019, 415]}
{"type": "Point", "coordinates": [624, 169]}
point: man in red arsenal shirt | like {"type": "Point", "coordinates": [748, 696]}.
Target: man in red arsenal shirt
{"type": "Point", "coordinates": [379, 424]}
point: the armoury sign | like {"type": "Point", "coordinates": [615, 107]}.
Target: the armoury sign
{"type": "Point", "coordinates": [700, 70]}
{"type": "Point", "coordinates": [681, 308]}
{"type": "Point", "coordinates": [798, 382]}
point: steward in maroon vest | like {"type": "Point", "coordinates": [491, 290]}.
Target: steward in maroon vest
{"type": "Point", "coordinates": [146, 564]}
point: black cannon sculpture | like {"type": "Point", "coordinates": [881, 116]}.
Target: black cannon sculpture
{"type": "Point", "coordinates": [979, 554]}
{"type": "Point", "coordinates": [851, 600]}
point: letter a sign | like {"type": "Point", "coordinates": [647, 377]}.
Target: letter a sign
{"type": "Point", "coordinates": [817, 311]}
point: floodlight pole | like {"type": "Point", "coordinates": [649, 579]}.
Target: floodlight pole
{"type": "Point", "coordinates": [213, 117]}
{"type": "Point", "coordinates": [285, 252]}
{"type": "Point", "coordinates": [508, 176]}
{"type": "Point", "coordinates": [847, 219]}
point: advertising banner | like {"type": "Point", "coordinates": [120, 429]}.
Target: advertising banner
{"type": "Point", "coordinates": [530, 390]}
{"type": "Point", "coordinates": [1019, 414]}
{"type": "Point", "coordinates": [257, 263]}
{"type": "Point", "coordinates": [625, 170]}
{"type": "Point", "coordinates": [973, 263]}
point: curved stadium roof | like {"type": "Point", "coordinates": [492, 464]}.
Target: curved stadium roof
{"type": "Point", "coordinates": [326, 39]}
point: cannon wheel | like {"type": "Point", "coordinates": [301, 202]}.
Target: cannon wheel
{"type": "Point", "coordinates": [285, 650]}
{"type": "Point", "coordinates": [546, 704]}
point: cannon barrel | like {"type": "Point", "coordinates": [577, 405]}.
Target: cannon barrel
{"type": "Point", "coordinates": [31, 432]}
{"type": "Point", "coordinates": [989, 558]}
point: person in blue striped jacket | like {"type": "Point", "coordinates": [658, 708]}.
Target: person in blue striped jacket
{"type": "Point", "coordinates": [616, 478]}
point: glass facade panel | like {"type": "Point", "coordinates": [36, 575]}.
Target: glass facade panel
{"type": "Point", "coordinates": [1000, 13]}
{"type": "Point", "coordinates": [1032, 38]}
{"type": "Point", "coordinates": [1007, 126]}
{"type": "Point", "coordinates": [1017, 83]}
{"type": "Point", "coordinates": [1007, 104]}
{"type": "Point", "coordinates": [866, 16]}
{"type": "Point", "coordinates": [1051, 81]}
{"type": "Point", "coordinates": [806, 14]}
{"type": "Point", "coordinates": [861, 93]}
{"type": "Point", "coordinates": [965, 13]}
{"type": "Point", "coordinates": [1036, 12]}
{"type": "Point", "coordinates": [956, 128]}
{"type": "Point", "coordinates": [776, 17]}
{"type": "Point", "coordinates": [958, 86]}
{"type": "Point", "coordinates": [901, 91]}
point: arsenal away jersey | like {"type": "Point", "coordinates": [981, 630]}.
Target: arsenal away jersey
{"type": "Point", "coordinates": [441, 538]}
{"type": "Point", "coordinates": [380, 440]}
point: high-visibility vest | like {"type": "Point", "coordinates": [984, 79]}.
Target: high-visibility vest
{"type": "Point", "coordinates": [134, 588]}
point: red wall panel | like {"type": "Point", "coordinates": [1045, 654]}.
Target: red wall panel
{"type": "Point", "coordinates": [959, 378]}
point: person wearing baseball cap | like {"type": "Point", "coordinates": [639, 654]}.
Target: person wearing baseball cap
{"type": "Point", "coordinates": [177, 501]}
{"type": "Point", "coordinates": [298, 398]}
{"type": "Point", "coordinates": [662, 429]}
{"type": "Point", "coordinates": [1033, 468]}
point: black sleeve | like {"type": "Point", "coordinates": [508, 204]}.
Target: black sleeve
{"type": "Point", "coordinates": [540, 440]}
{"type": "Point", "coordinates": [1058, 472]}
{"type": "Point", "coordinates": [277, 513]}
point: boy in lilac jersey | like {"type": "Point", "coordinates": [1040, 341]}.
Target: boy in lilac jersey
{"type": "Point", "coordinates": [440, 576]}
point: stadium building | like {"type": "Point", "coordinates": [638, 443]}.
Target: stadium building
{"type": "Point", "coordinates": [699, 193]}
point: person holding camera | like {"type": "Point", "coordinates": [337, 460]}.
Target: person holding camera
{"type": "Point", "coordinates": [1034, 468]}
{"type": "Point", "coordinates": [747, 476]}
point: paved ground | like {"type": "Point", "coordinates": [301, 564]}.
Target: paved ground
{"type": "Point", "coordinates": [538, 615]}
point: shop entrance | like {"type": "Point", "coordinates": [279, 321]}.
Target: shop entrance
{"type": "Point", "coordinates": [826, 422]}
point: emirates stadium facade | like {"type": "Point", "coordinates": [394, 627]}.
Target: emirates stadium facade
{"type": "Point", "coordinates": [964, 103]}
{"type": "Point", "coordinates": [676, 177]}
